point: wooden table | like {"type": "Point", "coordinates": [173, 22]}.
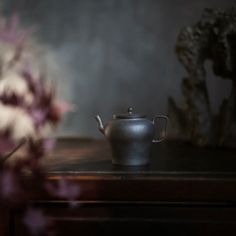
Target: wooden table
{"type": "Point", "coordinates": [184, 191]}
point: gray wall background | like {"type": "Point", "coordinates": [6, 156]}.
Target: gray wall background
{"type": "Point", "coordinates": [115, 53]}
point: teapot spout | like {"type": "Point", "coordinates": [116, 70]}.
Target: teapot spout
{"type": "Point", "coordinates": [100, 124]}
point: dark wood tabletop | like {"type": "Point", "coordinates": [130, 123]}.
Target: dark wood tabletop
{"type": "Point", "coordinates": [184, 191]}
{"type": "Point", "coordinates": [177, 171]}
{"type": "Point", "coordinates": [81, 156]}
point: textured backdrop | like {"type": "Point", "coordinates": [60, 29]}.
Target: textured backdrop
{"type": "Point", "coordinates": [111, 54]}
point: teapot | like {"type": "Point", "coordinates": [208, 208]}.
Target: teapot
{"type": "Point", "coordinates": [131, 136]}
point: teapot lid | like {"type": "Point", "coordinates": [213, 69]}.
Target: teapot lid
{"type": "Point", "coordinates": [128, 115]}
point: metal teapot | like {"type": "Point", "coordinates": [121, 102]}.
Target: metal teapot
{"type": "Point", "coordinates": [130, 136]}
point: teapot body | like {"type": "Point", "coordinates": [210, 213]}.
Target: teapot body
{"type": "Point", "coordinates": [130, 136]}
{"type": "Point", "coordinates": [130, 140]}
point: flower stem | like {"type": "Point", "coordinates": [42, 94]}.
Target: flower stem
{"type": "Point", "coordinates": [4, 158]}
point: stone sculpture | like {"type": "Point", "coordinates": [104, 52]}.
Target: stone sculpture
{"type": "Point", "coordinates": [212, 38]}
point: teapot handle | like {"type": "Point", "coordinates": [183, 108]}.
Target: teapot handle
{"type": "Point", "coordinates": [154, 122]}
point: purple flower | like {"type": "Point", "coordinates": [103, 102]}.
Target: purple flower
{"type": "Point", "coordinates": [10, 32]}
{"type": "Point", "coordinates": [11, 99]}
{"type": "Point", "coordinates": [35, 221]}
{"type": "Point", "coordinates": [49, 144]}
{"type": "Point", "coordinates": [10, 188]}
{"type": "Point", "coordinates": [6, 145]}
{"type": "Point", "coordinates": [30, 108]}
{"type": "Point", "coordinates": [65, 189]}
{"type": "Point", "coordinates": [38, 115]}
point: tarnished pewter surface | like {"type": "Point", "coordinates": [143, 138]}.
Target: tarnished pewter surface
{"type": "Point", "coordinates": [131, 136]}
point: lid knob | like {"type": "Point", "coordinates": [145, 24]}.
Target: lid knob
{"type": "Point", "coordinates": [128, 115]}
{"type": "Point", "coordinates": [130, 110]}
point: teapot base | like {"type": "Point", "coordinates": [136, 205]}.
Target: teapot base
{"type": "Point", "coordinates": [130, 163]}
{"type": "Point", "coordinates": [131, 154]}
